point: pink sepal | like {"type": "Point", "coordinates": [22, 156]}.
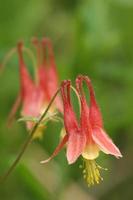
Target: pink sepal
{"type": "Point", "coordinates": [57, 150]}
{"type": "Point", "coordinates": [105, 143]}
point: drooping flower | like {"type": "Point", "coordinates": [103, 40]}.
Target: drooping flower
{"type": "Point", "coordinates": [86, 138]}
{"type": "Point", "coordinates": [36, 94]}
{"type": "Point", "coordinates": [96, 137]}
{"type": "Point", "coordinates": [32, 95]}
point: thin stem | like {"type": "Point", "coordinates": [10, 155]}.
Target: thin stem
{"type": "Point", "coordinates": [31, 55]}
{"type": "Point", "coordinates": [77, 97]}
{"type": "Point", "coordinates": [7, 58]}
{"type": "Point", "coordinates": [4, 177]}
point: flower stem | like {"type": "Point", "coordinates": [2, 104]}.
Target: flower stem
{"type": "Point", "coordinates": [7, 58]}
{"type": "Point", "coordinates": [77, 97]}
{"type": "Point", "coordinates": [31, 56]}
{"type": "Point", "coordinates": [27, 142]}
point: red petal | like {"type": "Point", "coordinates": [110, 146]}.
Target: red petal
{"type": "Point", "coordinates": [84, 119]}
{"type": "Point", "coordinates": [95, 114]}
{"type": "Point", "coordinates": [75, 146]}
{"type": "Point", "coordinates": [105, 143]}
{"type": "Point", "coordinates": [58, 149]}
{"type": "Point", "coordinates": [33, 104]}
{"type": "Point", "coordinates": [42, 73]}
{"type": "Point", "coordinates": [48, 75]}
{"type": "Point", "coordinates": [25, 79]}
{"type": "Point", "coordinates": [76, 140]}
{"type": "Point", "coordinates": [52, 81]}
{"type": "Point", "coordinates": [46, 43]}
{"type": "Point", "coordinates": [70, 121]}
{"type": "Point", "coordinates": [50, 67]}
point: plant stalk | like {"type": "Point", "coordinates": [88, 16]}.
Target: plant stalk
{"type": "Point", "coordinates": [27, 142]}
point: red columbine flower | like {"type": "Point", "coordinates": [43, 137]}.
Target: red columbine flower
{"type": "Point", "coordinates": [96, 137]}
{"type": "Point", "coordinates": [35, 95]}
{"type": "Point", "coordinates": [88, 137]}
{"type": "Point", "coordinates": [32, 95]}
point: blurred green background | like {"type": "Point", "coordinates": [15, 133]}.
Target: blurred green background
{"type": "Point", "coordinates": [92, 37]}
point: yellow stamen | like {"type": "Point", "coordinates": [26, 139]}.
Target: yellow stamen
{"type": "Point", "coordinates": [91, 172]}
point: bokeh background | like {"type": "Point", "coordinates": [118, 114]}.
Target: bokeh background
{"type": "Point", "coordinates": [92, 37]}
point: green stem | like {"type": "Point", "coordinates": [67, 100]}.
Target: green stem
{"type": "Point", "coordinates": [77, 97]}
{"type": "Point", "coordinates": [31, 55]}
{"type": "Point", "coordinates": [25, 145]}
{"type": "Point", "coordinates": [7, 58]}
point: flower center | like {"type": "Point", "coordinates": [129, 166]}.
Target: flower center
{"type": "Point", "coordinates": [91, 152]}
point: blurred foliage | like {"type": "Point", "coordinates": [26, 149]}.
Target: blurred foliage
{"type": "Point", "coordinates": [90, 37]}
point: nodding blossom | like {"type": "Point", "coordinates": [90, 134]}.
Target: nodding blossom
{"type": "Point", "coordinates": [87, 137]}
{"type": "Point", "coordinates": [36, 94]}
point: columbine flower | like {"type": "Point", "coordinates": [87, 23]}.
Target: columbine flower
{"type": "Point", "coordinates": [86, 138]}
{"type": "Point", "coordinates": [35, 95]}
{"type": "Point", "coordinates": [96, 137]}
{"type": "Point", "coordinates": [31, 94]}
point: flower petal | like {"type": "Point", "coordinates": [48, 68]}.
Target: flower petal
{"type": "Point", "coordinates": [76, 139]}
{"type": "Point", "coordinates": [57, 150]}
{"type": "Point", "coordinates": [70, 120]}
{"type": "Point", "coordinates": [26, 82]}
{"type": "Point", "coordinates": [50, 67]}
{"type": "Point", "coordinates": [95, 113]}
{"type": "Point", "coordinates": [33, 104]}
{"type": "Point", "coordinates": [75, 146]}
{"type": "Point", "coordinates": [105, 143]}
